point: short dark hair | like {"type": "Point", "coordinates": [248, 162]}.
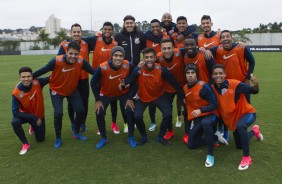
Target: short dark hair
{"type": "Point", "coordinates": [108, 24]}
{"type": "Point", "coordinates": [181, 18]}
{"type": "Point", "coordinates": [75, 25]}
{"type": "Point", "coordinates": [193, 67]}
{"type": "Point", "coordinates": [165, 40]}
{"type": "Point", "coordinates": [225, 31]}
{"type": "Point", "coordinates": [25, 69]}
{"type": "Point", "coordinates": [191, 37]}
{"type": "Point", "coordinates": [218, 66]}
{"type": "Point", "coordinates": [206, 17]}
{"type": "Point", "coordinates": [148, 50]}
{"type": "Point", "coordinates": [128, 17]}
{"type": "Point", "coordinates": [155, 20]}
{"type": "Point", "coordinates": [73, 45]}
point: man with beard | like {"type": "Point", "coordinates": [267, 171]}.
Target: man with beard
{"type": "Point", "coordinates": [150, 80]}
{"type": "Point", "coordinates": [83, 83]}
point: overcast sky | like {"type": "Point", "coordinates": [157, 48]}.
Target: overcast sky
{"type": "Point", "coordinates": [232, 15]}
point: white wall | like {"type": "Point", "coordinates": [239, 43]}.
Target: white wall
{"type": "Point", "coordinates": [264, 39]}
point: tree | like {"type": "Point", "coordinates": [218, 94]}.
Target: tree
{"type": "Point", "coordinates": [117, 29]}
{"type": "Point", "coordinates": [44, 37]}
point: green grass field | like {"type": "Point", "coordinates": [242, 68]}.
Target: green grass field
{"type": "Point", "coordinates": [117, 162]}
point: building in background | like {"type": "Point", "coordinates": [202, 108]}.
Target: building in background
{"type": "Point", "coordinates": [53, 25]}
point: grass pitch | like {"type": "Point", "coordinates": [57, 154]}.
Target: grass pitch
{"type": "Point", "coordinates": [117, 162]}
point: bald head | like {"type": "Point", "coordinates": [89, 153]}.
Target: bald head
{"type": "Point", "coordinates": [166, 18]}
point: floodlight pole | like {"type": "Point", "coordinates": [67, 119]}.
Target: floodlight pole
{"type": "Point", "coordinates": [169, 6]}
{"type": "Point", "coordinates": [91, 14]}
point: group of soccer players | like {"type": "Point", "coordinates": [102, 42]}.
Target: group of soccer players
{"type": "Point", "coordinates": [209, 73]}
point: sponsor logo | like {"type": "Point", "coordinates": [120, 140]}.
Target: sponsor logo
{"type": "Point", "coordinates": [104, 50]}
{"type": "Point", "coordinates": [155, 44]}
{"type": "Point", "coordinates": [187, 94]}
{"type": "Point", "coordinates": [33, 95]}
{"type": "Point", "coordinates": [170, 68]}
{"type": "Point", "coordinates": [226, 57]}
{"type": "Point", "coordinates": [147, 75]}
{"type": "Point", "coordinates": [66, 70]}
{"type": "Point", "coordinates": [206, 45]}
{"type": "Point", "coordinates": [137, 41]}
{"type": "Point", "coordinates": [113, 77]}
{"type": "Point", "coordinates": [223, 91]}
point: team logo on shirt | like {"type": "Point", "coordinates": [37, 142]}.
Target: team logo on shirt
{"type": "Point", "coordinates": [187, 94]}
{"type": "Point", "coordinates": [229, 56]}
{"type": "Point", "coordinates": [206, 45]}
{"type": "Point", "coordinates": [67, 70]}
{"type": "Point", "coordinates": [160, 59]}
{"type": "Point", "coordinates": [155, 44]}
{"type": "Point", "coordinates": [157, 67]}
{"type": "Point", "coordinates": [113, 77]}
{"type": "Point", "coordinates": [33, 95]}
{"type": "Point", "coordinates": [100, 39]}
{"type": "Point", "coordinates": [147, 74]}
{"type": "Point", "coordinates": [104, 50]}
{"type": "Point", "coordinates": [35, 82]}
{"type": "Point", "coordinates": [124, 66]}
{"type": "Point", "coordinates": [21, 95]}
{"type": "Point", "coordinates": [170, 68]}
{"type": "Point", "coordinates": [60, 59]}
{"type": "Point", "coordinates": [124, 43]}
{"type": "Point", "coordinates": [177, 54]}
{"type": "Point", "coordinates": [223, 91]}
{"type": "Point", "coordinates": [105, 67]}
{"type": "Point", "coordinates": [137, 41]}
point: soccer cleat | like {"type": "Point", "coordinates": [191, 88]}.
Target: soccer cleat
{"type": "Point", "coordinates": [185, 138]}
{"type": "Point", "coordinates": [163, 141]}
{"type": "Point", "coordinates": [169, 134]}
{"type": "Point", "coordinates": [125, 129]}
{"type": "Point", "coordinates": [30, 130]}
{"type": "Point", "coordinates": [209, 161]}
{"type": "Point", "coordinates": [220, 129]}
{"type": "Point", "coordinates": [152, 126]}
{"type": "Point", "coordinates": [83, 128]}
{"type": "Point", "coordinates": [98, 132]}
{"type": "Point", "coordinates": [58, 143]}
{"type": "Point", "coordinates": [143, 141]}
{"type": "Point", "coordinates": [115, 128]}
{"type": "Point", "coordinates": [178, 121]}
{"type": "Point", "coordinates": [257, 133]}
{"type": "Point", "coordinates": [79, 136]}
{"type": "Point", "coordinates": [24, 149]}
{"type": "Point", "coordinates": [221, 138]}
{"type": "Point", "coordinates": [226, 135]}
{"type": "Point", "coordinates": [245, 163]}
{"type": "Point", "coordinates": [132, 142]}
{"type": "Point", "coordinates": [101, 143]}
